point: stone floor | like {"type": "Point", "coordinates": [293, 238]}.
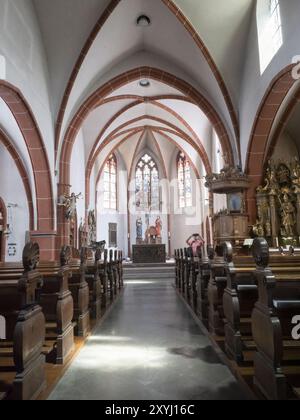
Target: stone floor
{"type": "Point", "coordinates": [149, 348]}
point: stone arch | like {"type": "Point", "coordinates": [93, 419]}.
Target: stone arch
{"type": "Point", "coordinates": [262, 127]}
{"type": "Point", "coordinates": [195, 38]}
{"type": "Point", "coordinates": [198, 146]}
{"type": "Point", "coordinates": [122, 80]}
{"type": "Point", "coordinates": [40, 165]}
{"type": "Point", "coordinates": [23, 174]}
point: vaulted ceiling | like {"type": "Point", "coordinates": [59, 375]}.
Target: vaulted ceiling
{"type": "Point", "coordinates": [88, 43]}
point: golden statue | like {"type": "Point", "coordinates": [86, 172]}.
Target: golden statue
{"type": "Point", "coordinates": [296, 175]}
{"type": "Point", "coordinates": [288, 216]}
{"type": "Point", "coordinates": [271, 183]}
{"type": "Point", "coordinates": [258, 229]}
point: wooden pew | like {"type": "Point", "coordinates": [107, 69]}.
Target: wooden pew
{"type": "Point", "coordinates": [177, 267]}
{"type": "Point", "coordinates": [56, 301]}
{"type": "Point", "coordinates": [25, 326]}
{"type": "Point", "coordinates": [241, 294]}
{"type": "Point", "coordinates": [216, 286]}
{"type": "Point", "coordinates": [104, 281]}
{"type": "Point", "coordinates": [81, 295]}
{"type": "Point", "coordinates": [239, 298]}
{"type": "Point", "coordinates": [271, 324]}
{"type": "Point", "coordinates": [120, 270]}
{"type": "Point", "coordinates": [116, 273]}
{"type": "Point", "coordinates": [110, 275]}
{"type": "Point", "coordinates": [202, 283]}
{"type": "Point", "coordinates": [94, 282]}
{"type": "Point", "coordinates": [187, 274]}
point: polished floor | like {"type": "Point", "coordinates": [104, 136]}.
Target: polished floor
{"type": "Point", "coordinates": [149, 348]}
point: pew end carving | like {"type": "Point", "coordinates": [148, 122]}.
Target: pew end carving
{"type": "Point", "coordinates": [25, 325]}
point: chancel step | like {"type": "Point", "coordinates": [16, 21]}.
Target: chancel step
{"type": "Point", "coordinates": [149, 271]}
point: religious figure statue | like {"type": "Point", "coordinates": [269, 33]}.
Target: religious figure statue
{"type": "Point", "coordinates": [158, 226]}
{"type": "Point", "coordinates": [69, 202]}
{"type": "Point", "coordinates": [271, 183]}
{"type": "Point", "coordinates": [82, 235]}
{"type": "Point", "coordinates": [139, 228]}
{"type": "Point", "coordinates": [288, 217]}
{"type": "Point", "coordinates": [258, 229]}
{"type": "Point", "coordinates": [296, 175]}
{"type": "Point", "coordinates": [92, 226]}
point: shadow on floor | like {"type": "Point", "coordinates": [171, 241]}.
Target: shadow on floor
{"type": "Point", "coordinates": [228, 391]}
{"type": "Point", "coordinates": [205, 354]}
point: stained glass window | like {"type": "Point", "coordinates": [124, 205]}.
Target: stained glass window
{"type": "Point", "coordinates": [147, 184]}
{"type": "Point", "coordinates": [110, 183]}
{"type": "Point", "coordinates": [184, 181]}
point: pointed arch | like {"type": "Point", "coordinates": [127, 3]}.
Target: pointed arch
{"type": "Point", "coordinates": [123, 79]}
{"type": "Point", "coordinates": [37, 152]}
{"type": "Point", "coordinates": [257, 152]}
{"type": "Point", "coordinates": [199, 147]}
{"type": "Point", "coordinates": [4, 139]}
{"type": "Point", "coordinates": [195, 38]}
{"type": "Point", "coordinates": [45, 223]}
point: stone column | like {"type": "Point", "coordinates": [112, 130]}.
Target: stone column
{"type": "Point", "coordinates": [47, 244]}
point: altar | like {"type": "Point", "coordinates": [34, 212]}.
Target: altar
{"type": "Point", "coordinates": [153, 254]}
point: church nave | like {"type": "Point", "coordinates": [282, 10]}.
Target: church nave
{"type": "Point", "coordinates": [149, 348]}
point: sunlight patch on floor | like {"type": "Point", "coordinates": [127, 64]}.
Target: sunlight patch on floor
{"type": "Point", "coordinates": [125, 357]}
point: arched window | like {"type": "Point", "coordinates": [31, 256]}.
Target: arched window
{"type": "Point", "coordinates": [147, 185]}
{"type": "Point", "coordinates": [184, 181]}
{"type": "Point", "coordinates": [110, 183]}
{"type": "Point", "coordinates": [269, 31]}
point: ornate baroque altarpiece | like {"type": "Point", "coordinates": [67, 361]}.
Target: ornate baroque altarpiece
{"type": "Point", "coordinates": [278, 204]}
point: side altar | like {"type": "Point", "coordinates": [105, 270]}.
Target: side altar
{"type": "Point", "coordinates": [153, 253]}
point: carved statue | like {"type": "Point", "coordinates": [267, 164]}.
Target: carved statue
{"type": "Point", "coordinates": [99, 248]}
{"type": "Point", "coordinates": [65, 255]}
{"type": "Point", "coordinates": [158, 226]}
{"type": "Point", "coordinates": [278, 203]}
{"type": "Point", "coordinates": [92, 227]}
{"type": "Point", "coordinates": [296, 175]}
{"type": "Point", "coordinates": [31, 256]}
{"type": "Point", "coordinates": [139, 228]}
{"type": "Point", "coordinates": [283, 175]}
{"type": "Point", "coordinates": [258, 229]}
{"type": "Point", "coordinates": [69, 202]}
{"type": "Point", "coordinates": [82, 235]}
{"type": "Point", "coordinates": [288, 217]}
{"type": "Point", "coordinates": [227, 173]}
